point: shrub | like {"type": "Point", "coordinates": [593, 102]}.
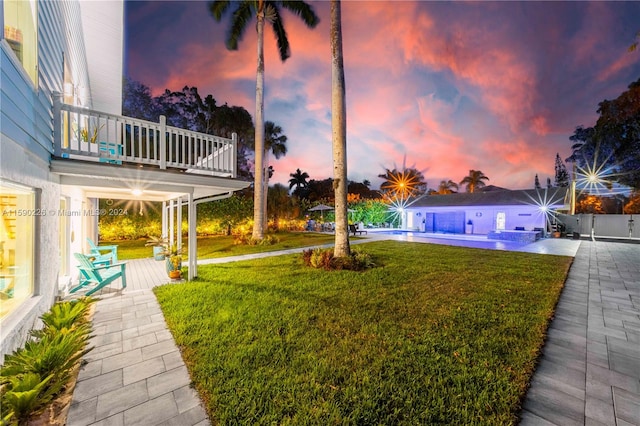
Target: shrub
{"type": "Point", "coordinates": [247, 239]}
{"type": "Point", "coordinates": [323, 258]}
{"type": "Point", "coordinates": [32, 376]}
{"type": "Point", "coordinates": [26, 396]}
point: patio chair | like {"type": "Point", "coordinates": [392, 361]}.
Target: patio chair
{"type": "Point", "coordinates": [354, 230]}
{"type": "Point", "coordinates": [95, 277]}
{"type": "Point", "coordinates": [101, 258]}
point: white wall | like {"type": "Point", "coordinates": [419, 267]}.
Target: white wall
{"type": "Point", "coordinates": [20, 166]}
{"type": "Point", "coordinates": [103, 24]}
{"type": "Point", "coordinates": [484, 217]}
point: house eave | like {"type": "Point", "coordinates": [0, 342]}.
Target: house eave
{"type": "Point", "coordinates": [100, 180]}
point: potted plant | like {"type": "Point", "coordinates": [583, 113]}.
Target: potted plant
{"type": "Point", "coordinates": [171, 253]}
{"type": "Point", "coordinates": [159, 245]}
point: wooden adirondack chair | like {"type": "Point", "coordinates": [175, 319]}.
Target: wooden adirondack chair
{"type": "Point", "coordinates": [101, 258]}
{"type": "Point", "coordinates": [97, 277]}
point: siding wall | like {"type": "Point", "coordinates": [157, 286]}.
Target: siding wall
{"type": "Point", "coordinates": [26, 144]}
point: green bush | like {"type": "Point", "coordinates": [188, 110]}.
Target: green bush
{"type": "Point", "coordinates": [324, 259]}
{"type": "Point", "coordinates": [33, 375]}
{"type": "Point", "coordinates": [247, 239]}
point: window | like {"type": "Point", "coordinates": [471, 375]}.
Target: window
{"type": "Point", "coordinates": [21, 32]}
{"type": "Point", "coordinates": [17, 223]}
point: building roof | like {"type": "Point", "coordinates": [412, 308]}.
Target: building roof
{"type": "Point", "coordinates": [551, 197]}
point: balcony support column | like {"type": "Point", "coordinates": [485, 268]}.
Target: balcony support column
{"type": "Point", "coordinates": [192, 244]}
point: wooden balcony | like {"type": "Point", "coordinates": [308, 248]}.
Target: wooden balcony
{"type": "Point", "coordinates": [84, 134]}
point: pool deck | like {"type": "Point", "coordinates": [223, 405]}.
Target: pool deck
{"type": "Point", "coordinates": [589, 372]}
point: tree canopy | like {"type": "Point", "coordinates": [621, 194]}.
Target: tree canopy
{"type": "Point", "coordinates": [611, 147]}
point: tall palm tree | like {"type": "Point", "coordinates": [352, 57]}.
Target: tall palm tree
{"type": "Point", "coordinates": [270, 11]}
{"type": "Point", "coordinates": [276, 143]}
{"type": "Point", "coordinates": [298, 179]}
{"type": "Point", "coordinates": [475, 180]}
{"type": "Point", "coordinates": [339, 133]}
{"type": "Point", "coordinates": [447, 187]}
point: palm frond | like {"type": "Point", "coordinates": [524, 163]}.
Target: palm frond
{"type": "Point", "coordinates": [303, 10]}
{"type": "Point", "coordinates": [241, 17]}
{"type": "Point", "coordinates": [218, 8]}
{"type": "Point", "coordinates": [281, 35]}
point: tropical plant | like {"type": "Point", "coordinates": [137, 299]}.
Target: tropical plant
{"type": "Point", "coordinates": [403, 184]}
{"type": "Point", "coordinates": [269, 11]}
{"type": "Point", "coordinates": [447, 187]}
{"type": "Point", "coordinates": [299, 180]}
{"type": "Point", "coordinates": [475, 180]}
{"type": "Point", "coordinates": [67, 314]}
{"type": "Point", "coordinates": [339, 131]}
{"type": "Point", "coordinates": [33, 375]}
{"type": "Point", "coordinates": [24, 396]}
{"type": "Point", "coordinates": [276, 143]}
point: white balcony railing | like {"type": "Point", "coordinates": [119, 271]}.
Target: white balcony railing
{"type": "Point", "coordinates": [85, 134]}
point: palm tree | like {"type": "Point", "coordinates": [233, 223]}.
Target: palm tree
{"type": "Point", "coordinates": [403, 184]}
{"type": "Point", "coordinates": [474, 180]}
{"type": "Point", "coordinates": [275, 142]}
{"type": "Point", "coordinates": [339, 133]}
{"type": "Point", "coordinates": [269, 10]}
{"type": "Point", "coordinates": [447, 187]}
{"type": "Point", "coordinates": [299, 180]}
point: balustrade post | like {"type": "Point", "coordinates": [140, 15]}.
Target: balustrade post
{"type": "Point", "coordinates": [57, 124]}
{"type": "Point", "coordinates": [163, 142]}
{"type": "Point", "coordinates": [234, 153]}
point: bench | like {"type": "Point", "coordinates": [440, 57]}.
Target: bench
{"type": "Point", "coordinates": [354, 230]}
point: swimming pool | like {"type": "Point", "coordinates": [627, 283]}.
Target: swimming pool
{"type": "Point", "coordinates": [543, 246]}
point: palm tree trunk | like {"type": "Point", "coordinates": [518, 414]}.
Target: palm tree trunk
{"type": "Point", "coordinates": [258, 193]}
{"type": "Point", "coordinates": [266, 188]}
{"type": "Point", "coordinates": [339, 133]}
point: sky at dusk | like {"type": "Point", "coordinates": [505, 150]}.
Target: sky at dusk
{"type": "Point", "coordinates": [439, 86]}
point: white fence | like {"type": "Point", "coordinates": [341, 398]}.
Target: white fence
{"type": "Point", "coordinates": [86, 134]}
{"type": "Point", "coordinates": [603, 225]}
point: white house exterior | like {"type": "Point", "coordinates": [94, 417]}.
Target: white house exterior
{"type": "Point", "coordinates": [64, 145]}
{"type": "Point", "coordinates": [485, 212]}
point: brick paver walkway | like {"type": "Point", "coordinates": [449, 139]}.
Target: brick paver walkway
{"type": "Point", "coordinates": [590, 369]}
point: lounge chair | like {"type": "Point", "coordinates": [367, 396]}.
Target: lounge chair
{"type": "Point", "coordinates": [101, 258]}
{"type": "Point", "coordinates": [95, 277]}
{"type": "Point", "coordinates": [354, 230]}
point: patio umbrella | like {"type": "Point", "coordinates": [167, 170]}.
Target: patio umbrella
{"type": "Point", "coordinates": [321, 208]}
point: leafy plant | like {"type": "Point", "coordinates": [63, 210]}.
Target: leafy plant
{"type": "Point", "coordinates": [65, 315]}
{"type": "Point", "coordinates": [53, 353]}
{"type": "Point", "coordinates": [26, 395]}
{"type": "Point", "coordinates": [84, 134]}
{"type": "Point", "coordinates": [324, 259]}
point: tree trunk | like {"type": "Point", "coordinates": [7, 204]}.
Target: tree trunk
{"type": "Point", "coordinates": [266, 189]}
{"type": "Point", "coordinates": [339, 133]}
{"type": "Point", "coordinates": [258, 193]}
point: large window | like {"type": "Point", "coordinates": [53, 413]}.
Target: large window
{"type": "Point", "coordinates": [17, 221]}
{"type": "Point", "coordinates": [21, 32]}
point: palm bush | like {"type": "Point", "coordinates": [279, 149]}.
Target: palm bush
{"type": "Point", "coordinates": [32, 376]}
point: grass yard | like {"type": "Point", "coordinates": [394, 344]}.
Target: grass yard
{"type": "Point", "coordinates": [433, 335]}
{"type": "Point", "coordinates": [223, 246]}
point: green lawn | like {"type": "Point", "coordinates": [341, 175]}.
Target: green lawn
{"type": "Point", "coordinates": [222, 246]}
{"type": "Point", "coordinates": [434, 334]}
